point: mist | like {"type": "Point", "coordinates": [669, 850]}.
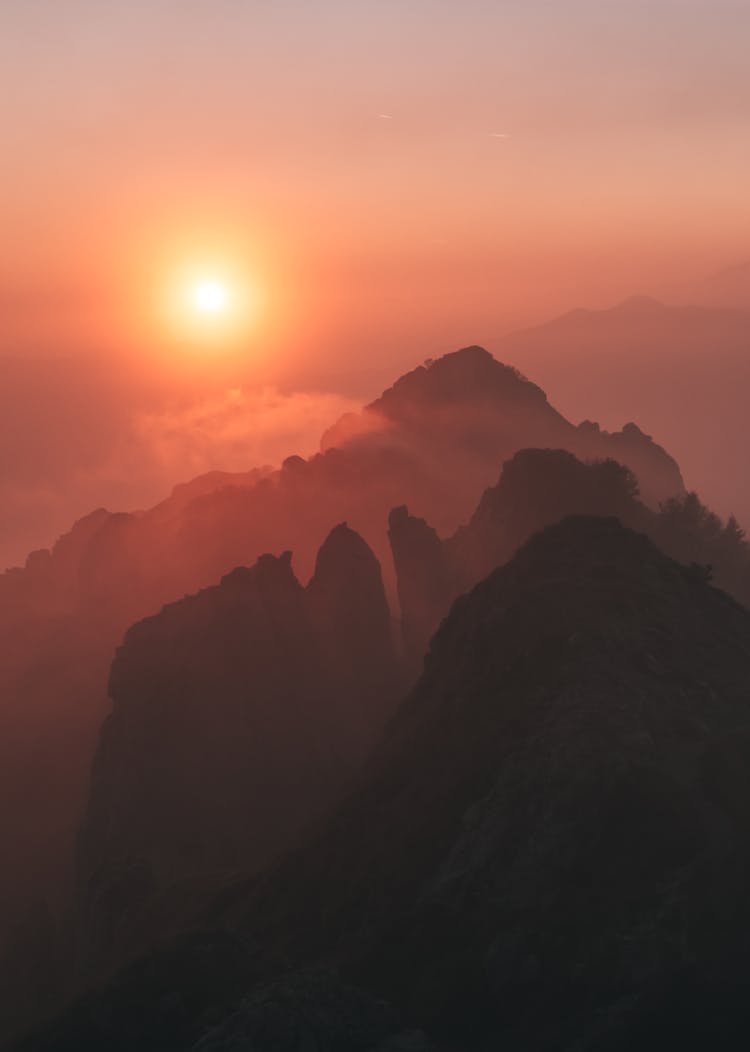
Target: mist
{"type": "Point", "coordinates": [374, 576]}
{"type": "Point", "coordinates": [78, 433]}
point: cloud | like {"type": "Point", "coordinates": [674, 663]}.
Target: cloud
{"type": "Point", "coordinates": [238, 430]}
{"type": "Point", "coordinates": [235, 430]}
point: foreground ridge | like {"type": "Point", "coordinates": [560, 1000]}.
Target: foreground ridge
{"type": "Point", "coordinates": [549, 848]}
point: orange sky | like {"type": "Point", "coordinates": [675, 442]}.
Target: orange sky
{"type": "Point", "coordinates": [392, 179]}
{"type": "Point", "coordinates": [131, 130]}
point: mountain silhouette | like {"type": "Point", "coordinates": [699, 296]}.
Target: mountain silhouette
{"type": "Point", "coordinates": [728, 287]}
{"type": "Point", "coordinates": [681, 371]}
{"type": "Point", "coordinates": [239, 716]}
{"type": "Point", "coordinates": [434, 442]}
{"type": "Point", "coordinates": [466, 408]}
{"type": "Point", "coordinates": [538, 487]}
{"type": "Point", "coordinates": [548, 850]}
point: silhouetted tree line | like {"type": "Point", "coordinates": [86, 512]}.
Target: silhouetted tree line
{"type": "Point", "coordinates": [683, 527]}
{"type": "Point", "coordinates": [538, 487]}
{"type": "Point", "coordinates": [693, 534]}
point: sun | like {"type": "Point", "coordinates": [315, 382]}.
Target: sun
{"type": "Point", "coordinates": [210, 304]}
{"type": "Point", "coordinates": [210, 297]}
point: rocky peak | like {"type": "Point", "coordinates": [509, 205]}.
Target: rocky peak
{"type": "Point", "coordinates": [240, 714]}
{"type": "Point", "coordinates": [536, 857]}
{"type": "Point", "coordinates": [467, 375]}
{"type": "Point", "coordinates": [549, 850]}
{"type": "Point", "coordinates": [342, 555]}
{"type": "Point", "coordinates": [272, 579]}
{"type": "Point", "coordinates": [349, 611]}
{"type": "Point", "coordinates": [425, 590]}
{"type": "Point", "coordinates": [536, 488]}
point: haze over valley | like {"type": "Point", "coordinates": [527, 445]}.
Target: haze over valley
{"type": "Point", "coordinates": [374, 577]}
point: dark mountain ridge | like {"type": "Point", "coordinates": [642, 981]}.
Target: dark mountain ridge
{"type": "Point", "coordinates": [469, 403]}
{"type": "Point", "coordinates": [681, 370]}
{"type": "Point", "coordinates": [239, 716]}
{"type": "Point", "coordinates": [538, 487]}
{"type": "Point", "coordinates": [549, 849]}
{"type": "Point", "coordinates": [434, 442]}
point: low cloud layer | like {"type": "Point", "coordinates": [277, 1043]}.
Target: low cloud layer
{"type": "Point", "coordinates": [134, 457]}
{"type": "Point", "coordinates": [237, 430]}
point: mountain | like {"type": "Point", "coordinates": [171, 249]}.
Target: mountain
{"type": "Point", "coordinates": [434, 441]}
{"type": "Point", "coordinates": [549, 850]}
{"type": "Point", "coordinates": [538, 487]}
{"type": "Point", "coordinates": [728, 287]}
{"type": "Point", "coordinates": [681, 371]}
{"type": "Point", "coordinates": [463, 409]}
{"type": "Point", "coordinates": [239, 716]}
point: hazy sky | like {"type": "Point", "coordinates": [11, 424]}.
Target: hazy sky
{"type": "Point", "coordinates": [381, 179]}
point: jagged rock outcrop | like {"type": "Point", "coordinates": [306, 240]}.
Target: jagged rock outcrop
{"type": "Point", "coordinates": [537, 487]}
{"type": "Point", "coordinates": [563, 799]}
{"type": "Point", "coordinates": [467, 409]}
{"type": "Point", "coordinates": [656, 471]}
{"type": "Point", "coordinates": [426, 582]}
{"type": "Point", "coordinates": [434, 442]}
{"type": "Point", "coordinates": [679, 370]}
{"type": "Point", "coordinates": [550, 849]}
{"type": "Point", "coordinates": [239, 716]}
{"type": "Point", "coordinates": [349, 611]}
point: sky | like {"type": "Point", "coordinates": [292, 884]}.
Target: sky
{"type": "Point", "coordinates": [375, 182]}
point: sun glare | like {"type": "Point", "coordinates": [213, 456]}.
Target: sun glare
{"type": "Point", "coordinates": [214, 302]}
{"type": "Point", "coordinates": [210, 297]}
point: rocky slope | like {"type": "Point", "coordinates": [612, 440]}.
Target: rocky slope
{"type": "Point", "coordinates": [538, 487]}
{"type": "Point", "coordinates": [466, 409]}
{"type": "Point", "coordinates": [239, 716]}
{"type": "Point", "coordinates": [549, 851]}
{"type": "Point", "coordinates": [681, 370]}
{"type": "Point", "coordinates": [434, 441]}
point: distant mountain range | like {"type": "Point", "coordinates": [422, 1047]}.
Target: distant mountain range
{"type": "Point", "coordinates": [728, 287]}
{"type": "Point", "coordinates": [683, 372]}
{"type": "Point", "coordinates": [434, 441]}
{"type": "Point", "coordinates": [241, 715]}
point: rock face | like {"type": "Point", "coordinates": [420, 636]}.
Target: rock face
{"type": "Point", "coordinates": [537, 487]}
{"type": "Point", "coordinates": [239, 715]}
{"type": "Point", "coordinates": [552, 840]}
{"type": "Point", "coordinates": [434, 441]}
{"type": "Point", "coordinates": [550, 848]}
{"type": "Point", "coordinates": [427, 582]}
{"type": "Point", "coordinates": [348, 610]}
{"type": "Point", "coordinates": [640, 360]}
{"type": "Point", "coordinates": [466, 411]}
